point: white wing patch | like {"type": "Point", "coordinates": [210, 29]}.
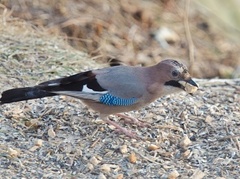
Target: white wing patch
{"type": "Point", "coordinates": [53, 84]}
{"type": "Point", "coordinates": [88, 90]}
{"type": "Point", "coordinates": [80, 95]}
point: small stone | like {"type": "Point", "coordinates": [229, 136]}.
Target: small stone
{"type": "Point", "coordinates": [153, 147]}
{"type": "Point", "coordinates": [51, 132]}
{"type": "Point", "coordinates": [119, 176]}
{"type": "Point", "coordinates": [13, 152]}
{"type": "Point", "coordinates": [94, 161]}
{"type": "Point", "coordinates": [187, 154]}
{"type": "Point", "coordinates": [123, 149]}
{"type": "Point", "coordinates": [35, 147]}
{"type": "Point", "coordinates": [209, 119]}
{"type": "Point", "coordinates": [90, 166]}
{"type": "Point", "coordinates": [185, 141]}
{"type": "Point", "coordinates": [99, 157]}
{"type": "Point", "coordinates": [101, 176]}
{"type": "Point", "coordinates": [174, 174]}
{"type": "Point", "coordinates": [28, 123]}
{"type": "Point", "coordinates": [132, 158]}
{"type": "Point", "coordinates": [99, 121]}
{"type": "Point", "coordinates": [105, 168]}
{"type": "Point", "coordinates": [78, 152]}
{"type": "Point", "coordinates": [32, 123]}
{"type": "Point", "coordinates": [198, 174]}
{"type": "Point", "coordinates": [39, 142]}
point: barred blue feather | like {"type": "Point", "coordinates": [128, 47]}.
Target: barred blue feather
{"type": "Point", "coordinates": [111, 100]}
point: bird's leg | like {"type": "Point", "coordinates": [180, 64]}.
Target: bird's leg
{"type": "Point", "coordinates": [121, 129]}
{"type": "Point", "coordinates": [132, 120]}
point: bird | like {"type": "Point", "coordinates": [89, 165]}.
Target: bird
{"type": "Point", "coordinates": [113, 90]}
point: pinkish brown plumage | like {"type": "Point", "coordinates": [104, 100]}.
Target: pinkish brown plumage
{"type": "Point", "coordinates": [114, 89]}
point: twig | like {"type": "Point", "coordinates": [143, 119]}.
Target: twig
{"type": "Point", "coordinates": [188, 36]}
{"type": "Point", "coordinates": [95, 142]}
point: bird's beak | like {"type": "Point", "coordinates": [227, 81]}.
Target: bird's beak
{"type": "Point", "coordinates": [189, 85]}
{"type": "Point", "coordinates": [191, 82]}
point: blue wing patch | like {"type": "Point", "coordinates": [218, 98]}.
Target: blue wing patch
{"type": "Point", "coordinates": [111, 100]}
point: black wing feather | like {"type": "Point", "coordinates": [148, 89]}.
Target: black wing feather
{"type": "Point", "coordinates": [45, 89]}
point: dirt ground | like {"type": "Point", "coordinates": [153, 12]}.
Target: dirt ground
{"type": "Point", "coordinates": [189, 136]}
{"type": "Point", "coordinates": [204, 35]}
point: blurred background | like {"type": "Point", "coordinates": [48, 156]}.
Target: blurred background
{"type": "Point", "coordinates": [203, 34]}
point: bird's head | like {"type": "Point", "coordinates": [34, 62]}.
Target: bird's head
{"type": "Point", "coordinates": [177, 77]}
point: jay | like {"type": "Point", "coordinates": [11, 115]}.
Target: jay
{"type": "Point", "coordinates": [113, 90]}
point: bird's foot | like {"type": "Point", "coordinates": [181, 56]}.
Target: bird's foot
{"type": "Point", "coordinates": [133, 120]}
{"type": "Point", "coordinates": [123, 130]}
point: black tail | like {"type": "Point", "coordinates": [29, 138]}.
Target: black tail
{"type": "Point", "coordinates": [20, 94]}
{"type": "Point", "coordinates": [45, 89]}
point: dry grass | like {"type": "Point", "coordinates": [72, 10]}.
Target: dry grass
{"type": "Point", "coordinates": [124, 30]}
{"type": "Point", "coordinates": [23, 47]}
{"type": "Point", "coordinates": [194, 136]}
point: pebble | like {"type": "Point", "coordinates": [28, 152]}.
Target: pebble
{"type": "Point", "coordinates": [153, 147]}
{"type": "Point", "coordinates": [123, 149]}
{"type": "Point", "coordinates": [13, 152]}
{"type": "Point", "coordinates": [101, 176]}
{"type": "Point", "coordinates": [51, 132]}
{"type": "Point", "coordinates": [174, 174]}
{"type": "Point", "coordinates": [132, 158]}
{"type": "Point", "coordinates": [94, 161]}
{"type": "Point", "coordinates": [185, 142]}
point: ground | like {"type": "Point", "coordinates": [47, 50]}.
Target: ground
{"type": "Point", "coordinates": [203, 34]}
{"type": "Point", "coordinates": [188, 137]}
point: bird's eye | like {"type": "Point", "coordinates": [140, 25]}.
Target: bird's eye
{"type": "Point", "coordinates": [175, 73]}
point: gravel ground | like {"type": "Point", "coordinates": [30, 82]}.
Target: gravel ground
{"type": "Point", "coordinates": [188, 137]}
